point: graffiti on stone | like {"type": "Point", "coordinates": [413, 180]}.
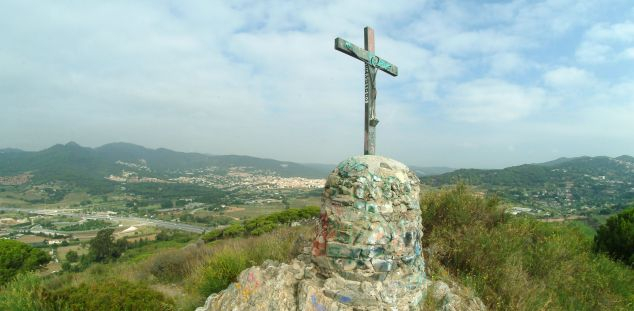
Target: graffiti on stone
{"type": "Point", "coordinates": [375, 231]}
{"type": "Point", "coordinates": [366, 254]}
{"type": "Point", "coordinates": [317, 305]}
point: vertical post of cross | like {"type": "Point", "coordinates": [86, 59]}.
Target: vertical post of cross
{"type": "Point", "coordinates": [373, 63]}
{"type": "Point", "coordinates": [370, 121]}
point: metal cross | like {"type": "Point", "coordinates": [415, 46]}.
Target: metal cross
{"type": "Point", "coordinates": [372, 63]}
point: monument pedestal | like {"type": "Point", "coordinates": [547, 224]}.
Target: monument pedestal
{"type": "Point", "coordinates": [369, 234]}
{"type": "Point", "coordinates": [366, 255]}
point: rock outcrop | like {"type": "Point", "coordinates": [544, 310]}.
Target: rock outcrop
{"type": "Point", "coordinates": [366, 256]}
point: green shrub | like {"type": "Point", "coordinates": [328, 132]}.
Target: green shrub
{"type": "Point", "coordinates": [519, 263]}
{"type": "Point", "coordinates": [230, 257]}
{"type": "Point", "coordinates": [263, 228]}
{"type": "Point", "coordinates": [176, 264]}
{"type": "Point", "coordinates": [90, 224]}
{"type": "Point", "coordinates": [459, 207]}
{"type": "Point", "coordinates": [22, 294]}
{"type": "Point", "coordinates": [72, 256]}
{"type": "Point", "coordinates": [235, 229]}
{"type": "Point", "coordinates": [212, 235]}
{"type": "Point", "coordinates": [108, 295]}
{"type": "Point", "coordinates": [104, 248]}
{"type": "Point", "coordinates": [616, 237]}
{"type": "Point", "coordinates": [200, 269]}
{"type": "Point", "coordinates": [174, 235]}
{"type": "Point", "coordinates": [222, 269]}
{"type": "Point", "coordinates": [18, 257]}
{"type": "Point", "coordinates": [263, 224]}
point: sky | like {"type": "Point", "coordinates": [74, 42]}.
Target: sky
{"type": "Point", "coordinates": [481, 84]}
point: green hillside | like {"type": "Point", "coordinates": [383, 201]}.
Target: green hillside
{"type": "Point", "coordinates": [81, 165]}
{"type": "Point", "coordinates": [601, 183]}
{"type": "Point", "coordinates": [431, 170]}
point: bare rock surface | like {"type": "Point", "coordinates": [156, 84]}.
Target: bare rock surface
{"type": "Point", "coordinates": [366, 255]}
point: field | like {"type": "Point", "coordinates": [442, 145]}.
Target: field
{"type": "Point", "coordinates": [62, 251]}
{"type": "Point", "coordinates": [246, 211]}
{"type": "Point", "coordinates": [52, 267]}
{"type": "Point", "coordinates": [249, 211]}
{"type": "Point", "coordinates": [29, 239]}
{"type": "Point", "coordinates": [259, 209]}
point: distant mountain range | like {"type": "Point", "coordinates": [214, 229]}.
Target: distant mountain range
{"type": "Point", "coordinates": [431, 170]}
{"type": "Point", "coordinates": [565, 182]}
{"type": "Point", "coordinates": [582, 182]}
{"type": "Point", "coordinates": [72, 162]}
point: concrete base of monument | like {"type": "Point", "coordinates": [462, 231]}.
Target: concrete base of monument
{"type": "Point", "coordinates": [366, 255]}
{"type": "Point", "coordinates": [298, 286]}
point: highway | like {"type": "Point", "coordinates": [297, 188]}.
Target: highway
{"type": "Point", "coordinates": [140, 220]}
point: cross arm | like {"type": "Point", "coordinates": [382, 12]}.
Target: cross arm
{"type": "Point", "coordinates": [365, 56]}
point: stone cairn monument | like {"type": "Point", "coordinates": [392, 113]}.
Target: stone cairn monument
{"type": "Point", "coordinates": [366, 256]}
{"type": "Point", "coordinates": [369, 235]}
{"type": "Point", "coordinates": [367, 253]}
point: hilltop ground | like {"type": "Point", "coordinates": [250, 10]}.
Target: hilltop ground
{"type": "Point", "coordinates": [510, 262]}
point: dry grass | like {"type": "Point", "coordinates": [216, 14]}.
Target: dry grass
{"type": "Point", "coordinates": [519, 263]}
{"type": "Point", "coordinates": [230, 257]}
{"type": "Point", "coordinates": [185, 275]}
{"type": "Point", "coordinates": [63, 250]}
{"type": "Point", "coordinates": [13, 202]}
{"type": "Point", "coordinates": [31, 239]}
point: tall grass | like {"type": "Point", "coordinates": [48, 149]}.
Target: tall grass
{"type": "Point", "coordinates": [29, 292]}
{"type": "Point", "coordinates": [519, 263]}
{"type": "Point", "coordinates": [107, 294]}
{"type": "Point", "coordinates": [198, 269]}
{"type": "Point", "coordinates": [230, 257]}
{"type": "Point", "coordinates": [160, 276]}
{"type": "Point", "coordinates": [171, 266]}
{"type": "Point", "coordinates": [22, 293]}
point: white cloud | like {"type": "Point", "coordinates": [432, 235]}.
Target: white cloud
{"type": "Point", "coordinates": [620, 32]}
{"type": "Point", "coordinates": [592, 52]}
{"type": "Point", "coordinates": [262, 78]}
{"type": "Point", "coordinates": [605, 42]}
{"type": "Point", "coordinates": [569, 78]}
{"type": "Point", "coordinates": [487, 41]}
{"type": "Point", "coordinates": [554, 17]}
{"type": "Point", "coordinates": [628, 53]}
{"type": "Point", "coordinates": [490, 100]}
{"type": "Point", "coordinates": [508, 63]}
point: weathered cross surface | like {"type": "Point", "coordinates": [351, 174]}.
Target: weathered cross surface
{"type": "Point", "coordinates": [372, 63]}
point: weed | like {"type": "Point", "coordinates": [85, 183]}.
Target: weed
{"type": "Point", "coordinates": [519, 263]}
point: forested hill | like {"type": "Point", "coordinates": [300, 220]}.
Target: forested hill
{"type": "Point", "coordinates": [72, 162]}
{"type": "Point", "coordinates": [431, 170]}
{"type": "Point", "coordinates": [565, 182]}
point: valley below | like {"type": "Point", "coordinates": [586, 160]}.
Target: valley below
{"type": "Point", "coordinates": [54, 192]}
{"type": "Point", "coordinates": [184, 225]}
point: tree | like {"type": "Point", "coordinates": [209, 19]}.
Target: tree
{"type": "Point", "coordinates": [66, 266]}
{"type": "Point", "coordinates": [18, 257]}
{"type": "Point", "coordinates": [167, 204]}
{"type": "Point", "coordinates": [616, 237]}
{"type": "Point", "coordinates": [102, 247]}
{"type": "Point", "coordinates": [212, 235]}
{"type": "Point", "coordinates": [72, 256]}
{"type": "Point", "coordinates": [234, 230]}
{"type": "Point", "coordinates": [162, 236]}
{"type": "Point", "coordinates": [121, 245]}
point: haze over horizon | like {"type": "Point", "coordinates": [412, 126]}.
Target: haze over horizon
{"type": "Point", "coordinates": [287, 160]}
{"type": "Point", "coordinates": [482, 85]}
